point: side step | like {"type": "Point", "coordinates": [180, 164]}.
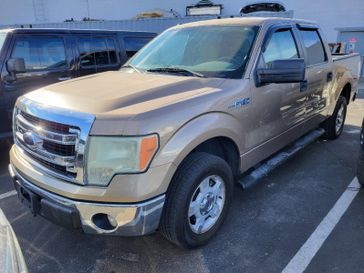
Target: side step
{"type": "Point", "coordinates": [252, 178]}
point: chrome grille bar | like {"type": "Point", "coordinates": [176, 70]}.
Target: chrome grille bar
{"type": "Point", "coordinates": [52, 139]}
{"type": "Point", "coordinates": [67, 139]}
{"type": "Point", "coordinates": [65, 161]}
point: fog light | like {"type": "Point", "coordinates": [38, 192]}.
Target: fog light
{"type": "Point", "coordinates": [104, 221]}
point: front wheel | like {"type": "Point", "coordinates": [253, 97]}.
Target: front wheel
{"type": "Point", "coordinates": [197, 201]}
{"type": "Point", "coordinates": [334, 126]}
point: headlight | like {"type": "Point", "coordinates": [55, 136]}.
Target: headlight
{"type": "Point", "coordinates": [108, 156]}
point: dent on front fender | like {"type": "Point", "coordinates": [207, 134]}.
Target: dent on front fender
{"type": "Point", "coordinates": [197, 131]}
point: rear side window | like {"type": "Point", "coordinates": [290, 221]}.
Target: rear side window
{"type": "Point", "coordinates": [97, 51]}
{"type": "Point", "coordinates": [134, 44]}
{"type": "Point", "coordinates": [40, 53]}
{"type": "Point", "coordinates": [314, 47]}
{"type": "Point", "coordinates": [281, 46]}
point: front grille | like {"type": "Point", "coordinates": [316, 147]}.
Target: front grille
{"type": "Point", "coordinates": [54, 167]}
{"type": "Point", "coordinates": [51, 144]}
{"type": "Point", "coordinates": [50, 125]}
{"type": "Point", "coordinates": [59, 149]}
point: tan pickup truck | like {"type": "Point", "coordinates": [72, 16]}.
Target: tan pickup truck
{"type": "Point", "coordinates": [158, 144]}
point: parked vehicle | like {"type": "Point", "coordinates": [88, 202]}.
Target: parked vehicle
{"type": "Point", "coordinates": [158, 144]}
{"type": "Point", "coordinates": [32, 58]}
{"type": "Point", "coordinates": [361, 157]}
{"type": "Point", "coordinates": [11, 256]}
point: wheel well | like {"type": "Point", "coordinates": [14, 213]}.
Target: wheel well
{"type": "Point", "coordinates": [224, 148]}
{"type": "Point", "coordinates": [346, 92]}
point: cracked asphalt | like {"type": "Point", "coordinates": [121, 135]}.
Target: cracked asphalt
{"type": "Point", "coordinates": [265, 227]}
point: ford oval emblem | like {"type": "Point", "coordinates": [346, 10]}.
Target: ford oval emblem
{"type": "Point", "coordinates": [32, 140]}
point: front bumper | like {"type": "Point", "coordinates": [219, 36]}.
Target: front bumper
{"type": "Point", "coordinates": [94, 218]}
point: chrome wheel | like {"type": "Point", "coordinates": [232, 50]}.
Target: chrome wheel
{"type": "Point", "coordinates": [340, 119]}
{"type": "Point", "coordinates": [206, 204]}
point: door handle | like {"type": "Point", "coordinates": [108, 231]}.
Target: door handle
{"type": "Point", "coordinates": [329, 77]}
{"type": "Point", "coordinates": [64, 78]}
{"type": "Point", "coordinates": [303, 86]}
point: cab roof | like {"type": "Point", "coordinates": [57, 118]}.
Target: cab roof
{"type": "Point", "coordinates": [246, 21]}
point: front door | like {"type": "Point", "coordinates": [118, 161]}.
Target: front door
{"type": "Point", "coordinates": [46, 62]}
{"type": "Point", "coordinates": [277, 107]}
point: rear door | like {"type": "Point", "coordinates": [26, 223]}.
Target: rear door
{"type": "Point", "coordinates": [97, 53]}
{"type": "Point", "coordinates": [85, 55]}
{"type": "Point", "coordinates": [318, 70]}
{"type": "Point", "coordinates": [47, 60]}
{"type": "Point", "coordinates": [106, 53]}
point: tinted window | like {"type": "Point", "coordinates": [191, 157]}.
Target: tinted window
{"type": "Point", "coordinates": [2, 39]}
{"type": "Point", "coordinates": [101, 52]}
{"type": "Point", "coordinates": [112, 50]}
{"type": "Point", "coordinates": [40, 53]}
{"type": "Point", "coordinates": [314, 47]}
{"type": "Point", "coordinates": [98, 51]}
{"type": "Point", "coordinates": [134, 44]}
{"type": "Point", "coordinates": [85, 46]}
{"type": "Point", "coordinates": [280, 47]}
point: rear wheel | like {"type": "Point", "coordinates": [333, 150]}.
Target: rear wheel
{"type": "Point", "coordinates": [197, 201]}
{"type": "Point", "coordinates": [335, 124]}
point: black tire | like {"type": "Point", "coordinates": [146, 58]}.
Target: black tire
{"type": "Point", "coordinates": [175, 223]}
{"type": "Point", "coordinates": [360, 170]}
{"type": "Point", "coordinates": [331, 132]}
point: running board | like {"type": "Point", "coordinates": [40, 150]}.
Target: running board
{"type": "Point", "coordinates": [252, 178]}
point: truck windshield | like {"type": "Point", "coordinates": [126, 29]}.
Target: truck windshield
{"type": "Point", "coordinates": [2, 39]}
{"type": "Point", "coordinates": [209, 51]}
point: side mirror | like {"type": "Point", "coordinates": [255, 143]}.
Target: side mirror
{"type": "Point", "coordinates": [282, 71]}
{"type": "Point", "coordinates": [16, 66]}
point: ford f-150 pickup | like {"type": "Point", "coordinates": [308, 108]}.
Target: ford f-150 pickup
{"type": "Point", "coordinates": [158, 144]}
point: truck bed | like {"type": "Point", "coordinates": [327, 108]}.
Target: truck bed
{"type": "Point", "coordinates": [351, 62]}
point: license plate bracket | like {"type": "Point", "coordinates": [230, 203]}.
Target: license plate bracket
{"type": "Point", "coordinates": [29, 199]}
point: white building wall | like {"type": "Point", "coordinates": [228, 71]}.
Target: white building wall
{"type": "Point", "coordinates": [330, 14]}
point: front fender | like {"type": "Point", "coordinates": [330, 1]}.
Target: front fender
{"type": "Point", "coordinates": [198, 130]}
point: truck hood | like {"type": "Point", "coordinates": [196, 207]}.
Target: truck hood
{"type": "Point", "coordinates": [121, 93]}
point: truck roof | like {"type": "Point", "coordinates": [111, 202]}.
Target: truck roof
{"type": "Point", "coordinates": [246, 21]}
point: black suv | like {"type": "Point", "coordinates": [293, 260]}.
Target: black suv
{"type": "Point", "coordinates": [32, 58]}
{"type": "Point", "coordinates": [361, 157]}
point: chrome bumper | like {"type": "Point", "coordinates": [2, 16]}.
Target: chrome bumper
{"type": "Point", "coordinates": [94, 218]}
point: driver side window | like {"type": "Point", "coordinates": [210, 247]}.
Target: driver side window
{"type": "Point", "coordinates": [281, 46]}
{"type": "Point", "coordinates": [40, 52]}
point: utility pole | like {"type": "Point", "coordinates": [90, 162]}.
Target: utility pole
{"type": "Point", "coordinates": [88, 9]}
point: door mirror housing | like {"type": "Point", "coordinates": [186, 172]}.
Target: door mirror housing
{"type": "Point", "coordinates": [16, 65]}
{"type": "Point", "coordinates": [282, 71]}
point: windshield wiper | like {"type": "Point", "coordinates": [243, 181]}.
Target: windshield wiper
{"type": "Point", "coordinates": [177, 70]}
{"type": "Point", "coordinates": [133, 67]}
